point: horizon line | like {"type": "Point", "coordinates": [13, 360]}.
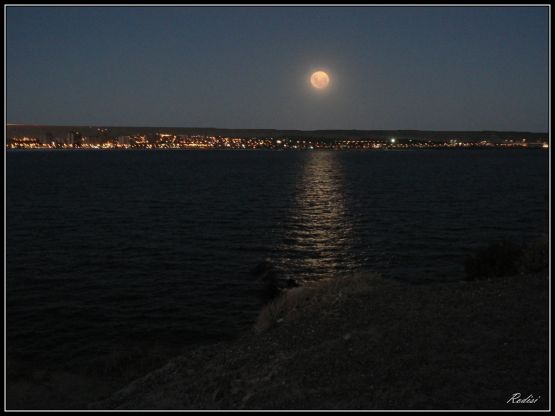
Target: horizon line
{"type": "Point", "coordinates": [266, 128]}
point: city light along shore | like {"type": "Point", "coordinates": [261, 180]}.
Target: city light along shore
{"type": "Point", "coordinates": [106, 138]}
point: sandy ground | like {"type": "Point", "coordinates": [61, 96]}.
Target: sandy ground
{"type": "Point", "coordinates": [370, 343]}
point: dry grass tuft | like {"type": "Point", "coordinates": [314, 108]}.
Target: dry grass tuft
{"type": "Point", "coordinates": [279, 308]}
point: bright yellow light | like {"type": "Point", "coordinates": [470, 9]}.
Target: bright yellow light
{"type": "Point", "coordinates": [319, 80]}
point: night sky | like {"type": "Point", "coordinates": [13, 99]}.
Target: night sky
{"type": "Point", "coordinates": [390, 68]}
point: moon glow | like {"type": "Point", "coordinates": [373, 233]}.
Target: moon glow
{"type": "Point", "coordinates": [319, 80]}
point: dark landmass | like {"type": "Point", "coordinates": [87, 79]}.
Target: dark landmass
{"type": "Point", "coordinates": [13, 130]}
{"type": "Point", "coordinates": [370, 343]}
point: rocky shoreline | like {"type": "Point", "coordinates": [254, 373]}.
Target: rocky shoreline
{"type": "Point", "coordinates": [370, 343]}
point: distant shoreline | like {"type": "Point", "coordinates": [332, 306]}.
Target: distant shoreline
{"type": "Point", "coordinates": [22, 136]}
{"type": "Point", "coordinates": [231, 129]}
{"type": "Point", "coordinates": [326, 134]}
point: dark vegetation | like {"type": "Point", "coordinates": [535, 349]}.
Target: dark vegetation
{"type": "Point", "coordinates": [506, 258]}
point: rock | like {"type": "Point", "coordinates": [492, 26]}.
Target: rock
{"type": "Point", "coordinates": [273, 280]}
{"type": "Point", "coordinates": [262, 268]}
{"type": "Point", "coordinates": [292, 283]}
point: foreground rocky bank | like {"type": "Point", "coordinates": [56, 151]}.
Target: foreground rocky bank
{"type": "Point", "coordinates": [370, 343]}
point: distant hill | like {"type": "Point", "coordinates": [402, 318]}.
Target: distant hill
{"type": "Point", "coordinates": [14, 130]}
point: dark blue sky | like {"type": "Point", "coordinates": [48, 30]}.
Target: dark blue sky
{"type": "Point", "coordinates": [391, 68]}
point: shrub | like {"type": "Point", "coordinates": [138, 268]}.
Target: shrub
{"type": "Point", "coordinates": [498, 259]}
{"type": "Point", "coordinates": [535, 256]}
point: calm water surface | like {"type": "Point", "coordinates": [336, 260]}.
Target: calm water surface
{"type": "Point", "coordinates": [109, 247]}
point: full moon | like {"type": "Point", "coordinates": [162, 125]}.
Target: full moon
{"type": "Point", "coordinates": [319, 80]}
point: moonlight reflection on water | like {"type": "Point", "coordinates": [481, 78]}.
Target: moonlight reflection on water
{"type": "Point", "coordinates": [319, 229]}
